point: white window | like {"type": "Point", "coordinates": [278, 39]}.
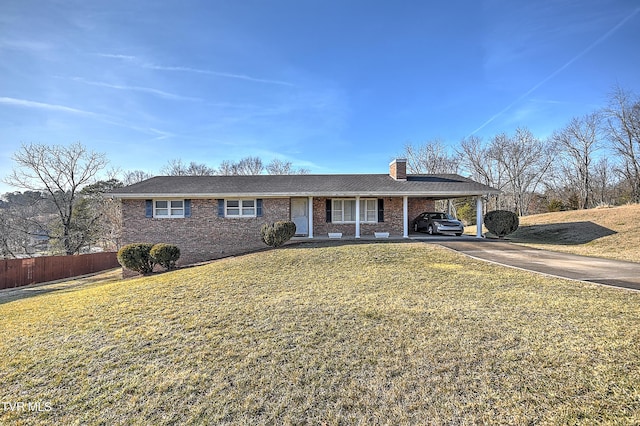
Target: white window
{"type": "Point", "coordinates": [240, 208]}
{"type": "Point", "coordinates": [168, 208]}
{"type": "Point", "coordinates": [369, 210]}
{"type": "Point", "coordinates": [344, 210]}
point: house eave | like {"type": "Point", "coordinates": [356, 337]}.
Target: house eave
{"type": "Point", "coordinates": [423, 194]}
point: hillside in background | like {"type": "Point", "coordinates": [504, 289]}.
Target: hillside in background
{"type": "Point", "coordinates": [612, 233]}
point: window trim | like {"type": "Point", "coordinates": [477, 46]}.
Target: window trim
{"type": "Point", "coordinates": [240, 208]}
{"type": "Point", "coordinates": [169, 209]}
{"type": "Point", "coordinates": [363, 212]}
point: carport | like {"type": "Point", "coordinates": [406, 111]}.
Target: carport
{"type": "Point", "coordinates": [463, 190]}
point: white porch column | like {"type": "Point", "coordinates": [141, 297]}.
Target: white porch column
{"type": "Point", "coordinates": [405, 216]}
{"type": "Point", "coordinates": [479, 217]}
{"type": "Point", "coordinates": [357, 216]}
{"type": "Point", "coordinates": [310, 217]}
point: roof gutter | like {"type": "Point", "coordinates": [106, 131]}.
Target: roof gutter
{"type": "Point", "coordinates": [448, 194]}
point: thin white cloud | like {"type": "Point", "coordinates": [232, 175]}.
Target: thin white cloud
{"type": "Point", "coordinates": [158, 67]}
{"type": "Point", "coordinates": [41, 105]}
{"type": "Point", "coordinates": [113, 56]}
{"type": "Point", "coordinates": [24, 45]}
{"type": "Point", "coordinates": [159, 134]}
{"type": "Point", "coordinates": [218, 74]}
{"type": "Point", "coordinates": [156, 92]}
{"type": "Point", "coordinates": [601, 39]}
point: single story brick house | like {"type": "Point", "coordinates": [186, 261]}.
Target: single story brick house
{"type": "Point", "coordinates": [209, 217]}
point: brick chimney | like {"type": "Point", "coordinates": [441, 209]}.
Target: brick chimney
{"type": "Point", "coordinates": [398, 169]}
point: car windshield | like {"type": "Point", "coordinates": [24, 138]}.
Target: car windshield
{"type": "Point", "coordinates": [442, 216]}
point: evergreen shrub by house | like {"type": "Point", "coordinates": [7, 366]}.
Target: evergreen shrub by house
{"type": "Point", "coordinates": [142, 257]}
{"type": "Point", "coordinates": [501, 222]}
{"type": "Point", "coordinates": [278, 233]}
{"type": "Point", "coordinates": [137, 257]}
{"type": "Point", "coordinates": [165, 255]}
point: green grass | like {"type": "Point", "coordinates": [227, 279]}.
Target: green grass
{"type": "Point", "coordinates": [384, 333]}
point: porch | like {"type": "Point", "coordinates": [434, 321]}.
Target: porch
{"type": "Point", "coordinates": [388, 217]}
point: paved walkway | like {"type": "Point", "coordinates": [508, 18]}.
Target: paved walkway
{"type": "Point", "coordinates": [590, 269]}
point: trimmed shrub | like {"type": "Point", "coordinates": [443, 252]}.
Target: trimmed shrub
{"type": "Point", "coordinates": [278, 233]}
{"type": "Point", "coordinates": [501, 222]}
{"type": "Point", "coordinates": [165, 255]}
{"type": "Point", "coordinates": [136, 257]}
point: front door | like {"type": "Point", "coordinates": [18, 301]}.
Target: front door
{"type": "Point", "coordinates": [300, 215]}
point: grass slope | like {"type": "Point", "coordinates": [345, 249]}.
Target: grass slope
{"type": "Point", "coordinates": [612, 233]}
{"type": "Point", "coordinates": [384, 333]}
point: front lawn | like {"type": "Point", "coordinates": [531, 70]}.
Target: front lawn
{"type": "Point", "coordinates": [380, 333]}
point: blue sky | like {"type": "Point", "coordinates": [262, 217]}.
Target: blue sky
{"type": "Point", "coordinates": [333, 86]}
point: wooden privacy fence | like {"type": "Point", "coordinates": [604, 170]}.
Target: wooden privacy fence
{"type": "Point", "coordinates": [19, 272]}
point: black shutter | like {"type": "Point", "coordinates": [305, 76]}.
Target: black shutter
{"type": "Point", "coordinates": [187, 208]}
{"type": "Point", "coordinates": [328, 205]}
{"type": "Point", "coordinates": [259, 207]}
{"type": "Point", "coordinates": [221, 208]}
{"type": "Point", "coordinates": [380, 210]}
{"type": "Point", "coordinates": [148, 208]}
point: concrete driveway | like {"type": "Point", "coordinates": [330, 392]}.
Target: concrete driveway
{"type": "Point", "coordinates": [589, 269]}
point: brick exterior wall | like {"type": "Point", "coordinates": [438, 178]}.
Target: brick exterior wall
{"type": "Point", "coordinates": [419, 205]}
{"type": "Point", "coordinates": [205, 236]}
{"type": "Point", "coordinates": [398, 169]}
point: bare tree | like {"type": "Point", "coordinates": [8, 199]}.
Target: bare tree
{"type": "Point", "coordinates": [477, 160]}
{"type": "Point", "coordinates": [22, 219]}
{"type": "Point", "coordinates": [622, 125]}
{"type": "Point", "coordinates": [249, 166]}
{"type": "Point", "coordinates": [246, 166]}
{"type": "Point", "coordinates": [603, 181]}
{"type": "Point", "coordinates": [432, 157]}
{"type": "Point", "coordinates": [176, 167]}
{"type": "Point", "coordinates": [577, 144]}
{"type": "Point", "coordinates": [279, 167]}
{"type": "Point", "coordinates": [107, 229]}
{"type": "Point", "coordinates": [59, 172]}
{"type": "Point", "coordinates": [6, 237]}
{"type": "Point", "coordinates": [226, 168]}
{"type": "Point", "coordinates": [135, 176]}
{"type": "Point", "coordinates": [17, 231]}
{"type": "Point", "coordinates": [525, 161]}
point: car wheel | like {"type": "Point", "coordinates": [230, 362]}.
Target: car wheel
{"type": "Point", "coordinates": [430, 229]}
{"type": "Point", "coordinates": [458, 234]}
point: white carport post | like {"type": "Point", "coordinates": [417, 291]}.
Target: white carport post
{"type": "Point", "coordinates": [479, 216]}
{"type": "Point", "coordinates": [357, 216]}
{"type": "Point", "coordinates": [405, 216]}
{"type": "Point", "coordinates": [310, 217]}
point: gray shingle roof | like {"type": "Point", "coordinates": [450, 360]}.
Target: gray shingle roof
{"type": "Point", "coordinates": [443, 185]}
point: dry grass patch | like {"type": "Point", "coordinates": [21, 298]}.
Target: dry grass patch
{"type": "Point", "coordinates": [70, 284]}
{"type": "Point", "coordinates": [611, 233]}
{"type": "Point", "coordinates": [368, 333]}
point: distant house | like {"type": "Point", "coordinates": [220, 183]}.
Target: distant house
{"type": "Point", "coordinates": [214, 216]}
